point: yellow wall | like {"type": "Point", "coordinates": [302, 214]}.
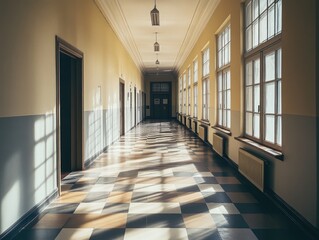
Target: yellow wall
{"type": "Point", "coordinates": [27, 63]}
{"type": "Point", "coordinates": [298, 100]}
{"type": "Point", "coordinates": [28, 173]}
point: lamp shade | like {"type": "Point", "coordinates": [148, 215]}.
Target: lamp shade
{"type": "Point", "coordinates": [156, 47]}
{"type": "Point", "coordinates": [155, 17]}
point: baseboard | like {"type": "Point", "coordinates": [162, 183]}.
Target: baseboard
{"type": "Point", "coordinates": [28, 217]}
{"type": "Point", "coordinates": [89, 161]}
{"type": "Point", "coordinates": [311, 232]}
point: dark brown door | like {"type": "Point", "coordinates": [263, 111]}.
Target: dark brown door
{"type": "Point", "coordinates": [122, 107]}
{"type": "Point", "coordinates": [161, 104]}
{"type": "Point", "coordinates": [70, 108]}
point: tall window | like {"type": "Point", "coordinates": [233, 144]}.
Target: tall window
{"type": "Point", "coordinates": [263, 116]}
{"type": "Point", "coordinates": [205, 83]}
{"type": "Point", "coordinates": [184, 93]}
{"type": "Point", "coordinates": [223, 78]}
{"type": "Point", "coordinates": [195, 90]}
{"type": "Point", "coordinates": [180, 99]}
{"type": "Point", "coordinates": [262, 21]}
{"type": "Point", "coordinates": [189, 97]}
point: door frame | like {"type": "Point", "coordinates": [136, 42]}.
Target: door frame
{"type": "Point", "coordinates": [122, 107]}
{"type": "Point", "coordinates": [66, 48]}
{"type": "Point", "coordinates": [152, 93]}
{"type": "Point", "coordinates": [135, 107]}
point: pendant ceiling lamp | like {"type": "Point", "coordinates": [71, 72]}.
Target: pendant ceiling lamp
{"type": "Point", "coordinates": [157, 62]}
{"type": "Point", "coordinates": [156, 44]}
{"type": "Point", "coordinates": [155, 16]}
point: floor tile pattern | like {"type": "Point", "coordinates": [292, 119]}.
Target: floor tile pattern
{"type": "Point", "coordinates": [159, 181]}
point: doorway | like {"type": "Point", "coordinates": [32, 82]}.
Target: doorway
{"type": "Point", "coordinates": [161, 103]}
{"type": "Point", "coordinates": [69, 87]}
{"type": "Point", "coordinates": [122, 108]}
{"type": "Point", "coordinates": [135, 106]}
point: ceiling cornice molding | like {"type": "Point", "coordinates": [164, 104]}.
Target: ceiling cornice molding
{"type": "Point", "coordinates": [113, 14]}
{"type": "Point", "coordinates": [202, 15]}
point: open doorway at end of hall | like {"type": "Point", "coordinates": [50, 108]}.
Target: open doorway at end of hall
{"type": "Point", "coordinates": [69, 61]}
{"type": "Point", "coordinates": [161, 100]}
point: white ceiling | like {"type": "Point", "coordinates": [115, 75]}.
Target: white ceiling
{"type": "Point", "coordinates": [181, 23]}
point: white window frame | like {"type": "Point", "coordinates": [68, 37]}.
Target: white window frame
{"type": "Point", "coordinates": [263, 21]}
{"type": "Point", "coordinates": [205, 84]}
{"type": "Point", "coordinates": [224, 78]}
{"type": "Point", "coordinates": [180, 97]}
{"type": "Point", "coordinates": [189, 97]}
{"type": "Point", "coordinates": [195, 87]}
{"type": "Point", "coordinates": [263, 101]}
{"type": "Point", "coordinates": [184, 93]}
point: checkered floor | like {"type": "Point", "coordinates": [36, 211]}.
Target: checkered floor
{"type": "Point", "coordinates": [159, 181]}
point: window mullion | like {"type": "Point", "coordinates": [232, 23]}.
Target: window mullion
{"type": "Point", "coordinates": [261, 97]}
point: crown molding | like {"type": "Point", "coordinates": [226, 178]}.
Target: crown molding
{"type": "Point", "coordinates": [113, 14]}
{"type": "Point", "coordinates": [201, 17]}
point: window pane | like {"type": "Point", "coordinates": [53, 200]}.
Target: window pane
{"type": "Point", "coordinates": [255, 34]}
{"type": "Point", "coordinates": [271, 21]}
{"type": "Point", "coordinates": [257, 71]}
{"type": "Point", "coordinates": [263, 27]}
{"type": "Point", "coordinates": [220, 120]}
{"type": "Point", "coordinates": [279, 97]}
{"type": "Point", "coordinates": [278, 17]}
{"type": "Point", "coordinates": [220, 58]}
{"type": "Point", "coordinates": [270, 2]}
{"type": "Point", "coordinates": [255, 9]}
{"type": "Point", "coordinates": [226, 60]}
{"type": "Point", "coordinates": [249, 98]}
{"type": "Point", "coordinates": [279, 140]}
{"type": "Point", "coordinates": [228, 80]}
{"type": "Point", "coordinates": [270, 128]}
{"type": "Point", "coordinates": [224, 117]}
{"type": "Point", "coordinates": [220, 100]}
{"type": "Point", "coordinates": [270, 67]}
{"type": "Point", "coordinates": [228, 100]}
{"type": "Point", "coordinates": [279, 63]}
{"type": "Point", "coordinates": [249, 74]}
{"type": "Point", "coordinates": [219, 42]}
{"type": "Point", "coordinates": [256, 98]}
{"type": "Point", "coordinates": [270, 97]}
{"type": "Point", "coordinates": [220, 83]}
{"type": "Point", "coordinates": [249, 121]}
{"type": "Point", "coordinates": [263, 5]}
{"type": "Point", "coordinates": [228, 119]}
{"type": "Point", "coordinates": [249, 38]}
{"type": "Point", "coordinates": [256, 126]}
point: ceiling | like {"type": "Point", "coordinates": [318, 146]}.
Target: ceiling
{"type": "Point", "coordinates": [181, 23]}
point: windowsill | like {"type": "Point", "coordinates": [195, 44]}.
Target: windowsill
{"type": "Point", "coordinates": [204, 122]}
{"type": "Point", "coordinates": [194, 119]}
{"type": "Point", "coordinates": [267, 150]}
{"type": "Point", "coordinates": [225, 131]}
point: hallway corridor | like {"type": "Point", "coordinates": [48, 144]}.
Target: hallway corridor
{"type": "Point", "coordinates": [159, 181]}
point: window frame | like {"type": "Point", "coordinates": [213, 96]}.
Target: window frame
{"type": "Point", "coordinates": [222, 68]}
{"type": "Point", "coordinates": [270, 44]}
{"type": "Point", "coordinates": [205, 83]}
{"type": "Point", "coordinates": [180, 94]}
{"type": "Point", "coordinates": [251, 20]}
{"type": "Point", "coordinates": [189, 93]}
{"type": "Point", "coordinates": [262, 95]}
{"type": "Point", "coordinates": [195, 88]}
{"type": "Point", "coordinates": [184, 93]}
